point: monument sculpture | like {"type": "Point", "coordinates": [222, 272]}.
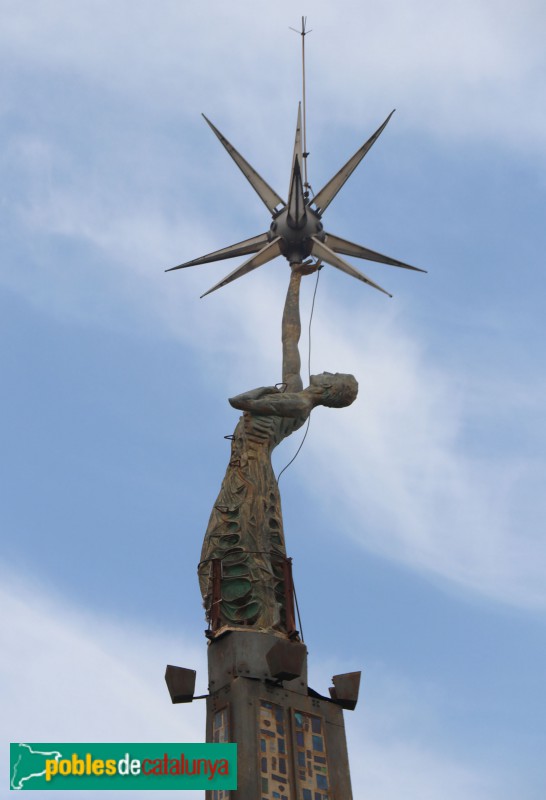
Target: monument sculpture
{"type": "Point", "coordinates": [291, 739]}
{"type": "Point", "coordinates": [245, 531]}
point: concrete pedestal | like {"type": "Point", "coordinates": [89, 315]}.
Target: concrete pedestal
{"type": "Point", "coordinates": [291, 741]}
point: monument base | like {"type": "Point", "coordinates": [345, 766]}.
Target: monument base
{"type": "Point", "coordinates": [291, 741]}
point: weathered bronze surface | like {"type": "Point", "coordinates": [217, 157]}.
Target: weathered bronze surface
{"type": "Point", "coordinates": [245, 530]}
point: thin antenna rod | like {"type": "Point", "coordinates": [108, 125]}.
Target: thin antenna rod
{"type": "Point", "coordinates": [303, 34]}
{"type": "Point", "coordinates": [303, 21]}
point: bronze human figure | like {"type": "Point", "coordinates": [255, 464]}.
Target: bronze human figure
{"type": "Point", "coordinates": [245, 530]}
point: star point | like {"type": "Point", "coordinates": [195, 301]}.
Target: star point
{"type": "Point", "coordinates": [296, 230]}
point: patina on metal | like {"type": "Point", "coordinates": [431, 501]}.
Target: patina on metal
{"type": "Point", "coordinates": [245, 532]}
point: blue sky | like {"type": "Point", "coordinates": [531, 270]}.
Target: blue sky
{"type": "Point", "coordinates": [415, 517]}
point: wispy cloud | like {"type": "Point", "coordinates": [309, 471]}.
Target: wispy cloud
{"type": "Point", "coordinates": [473, 69]}
{"type": "Point", "coordinates": [70, 675]}
{"type": "Point", "coordinates": [100, 679]}
{"type": "Point", "coordinates": [105, 181]}
{"type": "Point", "coordinates": [398, 462]}
{"type": "Point", "coordinates": [400, 459]}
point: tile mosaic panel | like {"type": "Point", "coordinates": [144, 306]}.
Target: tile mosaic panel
{"type": "Point", "coordinates": [310, 759]}
{"type": "Point", "coordinates": [273, 757]}
{"type": "Point", "coordinates": [220, 734]}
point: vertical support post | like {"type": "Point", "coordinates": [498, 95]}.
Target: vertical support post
{"type": "Point", "coordinates": [289, 597]}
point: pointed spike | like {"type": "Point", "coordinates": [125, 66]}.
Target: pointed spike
{"type": "Point", "coordinates": [356, 250]}
{"type": "Point", "coordinates": [263, 189]}
{"type": "Point", "coordinates": [296, 198]}
{"type": "Point", "coordinates": [323, 199]}
{"type": "Point", "coordinates": [322, 251]}
{"type": "Point", "coordinates": [297, 214]}
{"type": "Point", "coordinates": [298, 152]}
{"type": "Point", "coordinates": [240, 249]}
{"type": "Point", "coordinates": [267, 253]}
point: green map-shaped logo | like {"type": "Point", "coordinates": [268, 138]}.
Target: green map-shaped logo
{"type": "Point", "coordinates": [27, 763]}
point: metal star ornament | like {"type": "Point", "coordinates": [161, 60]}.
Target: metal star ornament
{"type": "Point", "coordinates": [296, 230]}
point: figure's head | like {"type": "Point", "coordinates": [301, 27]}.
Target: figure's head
{"type": "Point", "coordinates": [334, 389]}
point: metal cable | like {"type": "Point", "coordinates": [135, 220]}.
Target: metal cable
{"type": "Point", "coordinates": [319, 267]}
{"type": "Point", "coordinates": [298, 610]}
{"type": "Point", "coordinates": [309, 374]}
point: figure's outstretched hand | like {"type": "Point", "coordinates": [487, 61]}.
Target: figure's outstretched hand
{"type": "Point", "coordinates": [306, 267]}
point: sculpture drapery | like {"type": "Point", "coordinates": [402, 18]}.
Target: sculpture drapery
{"type": "Point", "coordinates": [245, 537]}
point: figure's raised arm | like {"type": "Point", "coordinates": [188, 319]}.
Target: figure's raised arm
{"type": "Point", "coordinates": [291, 331]}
